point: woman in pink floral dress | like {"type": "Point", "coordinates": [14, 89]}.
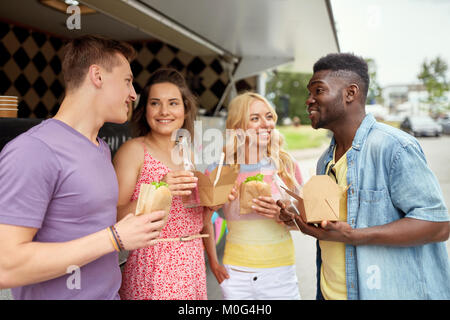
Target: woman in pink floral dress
{"type": "Point", "coordinates": [170, 269]}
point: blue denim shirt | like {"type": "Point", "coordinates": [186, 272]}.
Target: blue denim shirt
{"type": "Point", "coordinates": [389, 179]}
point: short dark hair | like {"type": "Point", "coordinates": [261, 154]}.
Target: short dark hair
{"type": "Point", "coordinates": [139, 120]}
{"type": "Point", "coordinates": [342, 63]}
{"type": "Point", "coordinates": [80, 53]}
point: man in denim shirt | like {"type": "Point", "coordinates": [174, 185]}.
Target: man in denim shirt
{"type": "Point", "coordinates": [391, 244]}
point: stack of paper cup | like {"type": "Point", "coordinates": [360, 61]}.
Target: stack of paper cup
{"type": "Point", "coordinates": [8, 106]}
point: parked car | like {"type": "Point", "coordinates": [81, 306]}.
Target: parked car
{"type": "Point", "coordinates": [445, 124]}
{"type": "Point", "coordinates": [421, 126]}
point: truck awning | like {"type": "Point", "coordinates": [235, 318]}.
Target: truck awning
{"type": "Point", "coordinates": [259, 34]}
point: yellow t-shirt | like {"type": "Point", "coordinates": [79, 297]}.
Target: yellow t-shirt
{"type": "Point", "coordinates": [254, 241]}
{"type": "Point", "coordinates": [332, 272]}
{"type": "Point", "coordinates": [259, 243]}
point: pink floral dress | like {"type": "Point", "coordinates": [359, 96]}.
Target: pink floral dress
{"type": "Point", "coordinates": [168, 270]}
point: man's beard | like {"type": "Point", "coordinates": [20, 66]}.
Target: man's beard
{"type": "Point", "coordinates": [337, 111]}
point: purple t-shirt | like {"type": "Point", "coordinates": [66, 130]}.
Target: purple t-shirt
{"type": "Point", "coordinates": [55, 179]}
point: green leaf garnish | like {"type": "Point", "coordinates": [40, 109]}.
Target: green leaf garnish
{"type": "Point", "coordinates": [258, 177]}
{"type": "Point", "coordinates": [159, 184]}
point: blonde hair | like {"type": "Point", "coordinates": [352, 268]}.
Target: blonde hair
{"type": "Point", "coordinates": [239, 117]}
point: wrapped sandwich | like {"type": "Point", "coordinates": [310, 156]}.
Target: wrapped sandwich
{"type": "Point", "coordinates": [154, 197]}
{"type": "Point", "coordinates": [250, 189]}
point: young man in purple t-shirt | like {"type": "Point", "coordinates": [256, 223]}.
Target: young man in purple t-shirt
{"type": "Point", "coordinates": [58, 190]}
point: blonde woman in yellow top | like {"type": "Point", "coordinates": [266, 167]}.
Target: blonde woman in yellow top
{"type": "Point", "coordinates": [259, 252]}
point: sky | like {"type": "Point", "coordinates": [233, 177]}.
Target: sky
{"type": "Point", "coordinates": [398, 34]}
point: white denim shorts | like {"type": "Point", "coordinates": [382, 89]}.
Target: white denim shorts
{"type": "Point", "coordinates": [278, 283]}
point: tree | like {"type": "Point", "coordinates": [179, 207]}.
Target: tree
{"type": "Point", "coordinates": [433, 75]}
{"type": "Point", "coordinates": [292, 86]}
{"type": "Point", "coordinates": [374, 95]}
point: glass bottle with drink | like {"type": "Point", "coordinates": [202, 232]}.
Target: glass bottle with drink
{"type": "Point", "coordinates": [279, 183]}
{"type": "Point", "coordinates": [192, 200]}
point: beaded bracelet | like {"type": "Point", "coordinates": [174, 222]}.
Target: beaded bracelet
{"type": "Point", "coordinates": [121, 246]}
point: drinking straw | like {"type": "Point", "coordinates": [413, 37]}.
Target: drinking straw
{"type": "Point", "coordinates": [222, 158]}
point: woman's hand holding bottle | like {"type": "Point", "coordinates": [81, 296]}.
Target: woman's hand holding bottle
{"type": "Point", "coordinates": [181, 183]}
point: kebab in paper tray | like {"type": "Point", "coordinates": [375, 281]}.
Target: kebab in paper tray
{"type": "Point", "coordinates": [319, 199]}
{"type": "Point", "coordinates": [154, 197]}
{"type": "Point", "coordinates": [215, 188]}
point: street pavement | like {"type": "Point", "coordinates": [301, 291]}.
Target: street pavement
{"type": "Point", "coordinates": [437, 151]}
